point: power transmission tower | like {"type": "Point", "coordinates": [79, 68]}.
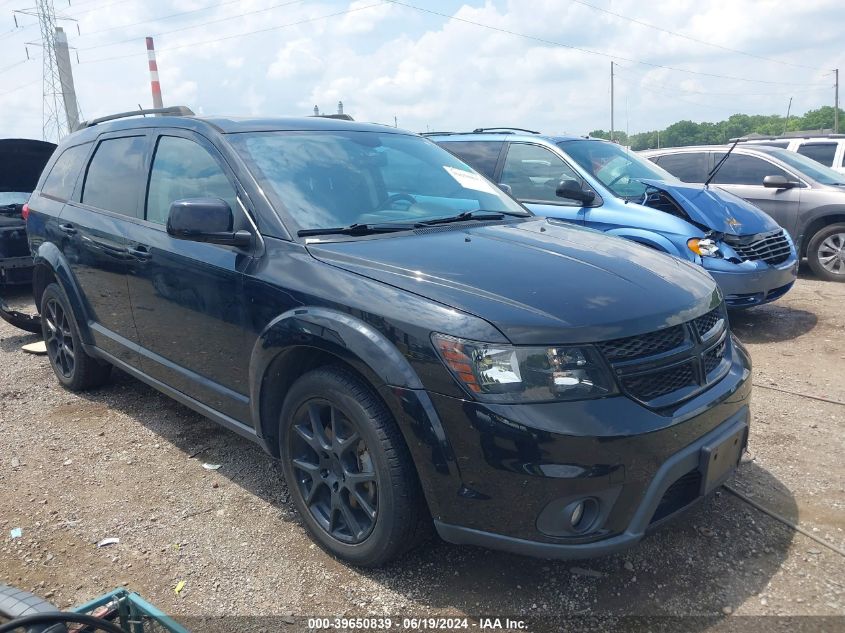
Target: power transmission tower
{"type": "Point", "coordinates": [59, 107]}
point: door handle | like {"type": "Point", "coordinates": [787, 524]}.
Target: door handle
{"type": "Point", "coordinates": [67, 228]}
{"type": "Point", "coordinates": [140, 252]}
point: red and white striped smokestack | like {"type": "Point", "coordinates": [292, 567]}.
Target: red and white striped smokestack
{"type": "Point", "coordinates": [154, 83]}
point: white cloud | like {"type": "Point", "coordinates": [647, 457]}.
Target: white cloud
{"type": "Point", "coordinates": [388, 60]}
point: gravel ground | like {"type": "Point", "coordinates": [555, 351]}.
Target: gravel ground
{"type": "Point", "coordinates": [124, 461]}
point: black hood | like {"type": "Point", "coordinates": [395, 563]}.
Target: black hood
{"type": "Point", "coordinates": [537, 281]}
{"type": "Point", "coordinates": [21, 163]}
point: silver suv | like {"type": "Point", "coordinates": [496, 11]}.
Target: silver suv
{"type": "Point", "coordinates": [804, 197]}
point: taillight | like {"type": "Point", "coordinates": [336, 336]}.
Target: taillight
{"type": "Point", "coordinates": [25, 212]}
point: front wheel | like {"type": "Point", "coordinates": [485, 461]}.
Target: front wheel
{"type": "Point", "coordinates": [348, 469]}
{"type": "Point", "coordinates": [826, 253]}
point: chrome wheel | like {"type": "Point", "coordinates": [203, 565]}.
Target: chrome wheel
{"type": "Point", "coordinates": [831, 253]}
{"type": "Point", "coordinates": [334, 471]}
{"type": "Point", "coordinates": [59, 339]}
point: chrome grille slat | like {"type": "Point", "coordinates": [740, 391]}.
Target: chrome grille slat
{"type": "Point", "coordinates": [773, 248]}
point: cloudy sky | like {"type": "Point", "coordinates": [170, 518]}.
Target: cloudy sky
{"type": "Point", "coordinates": [431, 65]}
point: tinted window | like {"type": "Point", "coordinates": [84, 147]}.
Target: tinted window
{"type": "Point", "coordinates": [689, 167]}
{"type": "Point", "coordinates": [821, 152]}
{"type": "Point", "coordinates": [115, 175]}
{"type": "Point", "coordinates": [534, 172]}
{"type": "Point", "coordinates": [63, 175]}
{"type": "Point", "coordinates": [330, 179]}
{"type": "Point", "coordinates": [745, 170]}
{"type": "Point", "coordinates": [482, 155]}
{"type": "Point", "coordinates": [183, 169]}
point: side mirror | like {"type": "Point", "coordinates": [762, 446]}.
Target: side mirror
{"type": "Point", "coordinates": [778, 182]}
{"type": "Point", "coordinates": [506, 188]}
{"type": "Point", "coordinates": [205, 220]}
{"type": "Point", "coordinates": [574, 190]}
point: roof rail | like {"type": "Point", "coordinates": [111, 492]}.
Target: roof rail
{"type": "Point", "coordinates": [504, 129]}
{"type": "Point", "coordinates": [172, 111]}
{"type": "Point", "coordinates": [792, 136]}
{"type": "Point", "coordinates": [342, 117]}
{"type": "Point", "coordinates": [440, 133]}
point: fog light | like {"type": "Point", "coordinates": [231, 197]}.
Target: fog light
{"type": "Point", "coordinates": [577, 515]}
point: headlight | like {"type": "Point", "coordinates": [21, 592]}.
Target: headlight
{"type": "Point", "coordinates": [704, 247]}
{"type": "Point", "coordinates": [504, 373]}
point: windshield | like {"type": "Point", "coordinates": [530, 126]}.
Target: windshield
{"type": "Point", "coordinates": [13, 197]}
{"type": "Point", "coordinates": [617, 168]}
{"type": "Point", "coordinates": [341, 178]}
{"type": "Point", "coordinates": [809, 167]}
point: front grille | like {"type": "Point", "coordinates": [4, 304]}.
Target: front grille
{"type": "Point", "coordinates": [645, 345]}
{"type": "Point", "coordinates": [681, 493]}
{"type": "Point", "coordinates": [772, 248]}
{"type": "Point", "coordinates": [659, 383]}
{"type": "Point", "coordinates": [670, 365]}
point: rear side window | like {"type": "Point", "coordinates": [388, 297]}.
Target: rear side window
{"type": "Point", "coordinates": [183, 169]}
{"type": "Point", "coordinates": [63, 175]}
{"type": "Point", "coordinates": [481, 155]}
{"type": "Point", "coordinates": [689, 167]}
{"type": "Point", "coordinates": [740, 169]}
{"type": "Point", "coordinates": [116, 176]}
{"type": "Point", "coordinates": [819, 152]}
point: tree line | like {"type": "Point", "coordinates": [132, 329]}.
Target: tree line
{"type": "Point", "coordinates": [706, 133]}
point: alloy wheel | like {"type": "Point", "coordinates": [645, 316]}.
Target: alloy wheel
{"type": "Point", "coordinates": [334, 471]}
{"type": "Point", "coordinates": [831, 253]}
{"type": "Point", "coordinates": [59, 339]}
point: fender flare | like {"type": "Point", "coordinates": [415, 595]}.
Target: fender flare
{"type": "Point", "coordinates": [648, 238]}
{"type": "Point", "coordinates": [50, 256]}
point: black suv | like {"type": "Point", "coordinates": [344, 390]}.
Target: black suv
{"type": "Point", "coordinates": [407, 339]}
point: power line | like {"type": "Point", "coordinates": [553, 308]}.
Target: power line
{"type": "Point", "coordinates": [159, 19]}
{"type": "Point", "coordinates": [590, 51]}
{"type": "Point", "coordinates": [195, 26]}
{"type": "Point", "coordinates": [693, 39]}
{"type": "Point", "coordinates": [237, 35]}
{"type": "Point", "coordinates": [21, 87]}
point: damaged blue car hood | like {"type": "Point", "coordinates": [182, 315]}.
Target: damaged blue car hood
{"type": "Point", "coordinates": [716, 208]}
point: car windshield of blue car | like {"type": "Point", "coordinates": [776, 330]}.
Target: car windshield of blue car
{"type": "Point", "coordinates": [329, 179]}
{"type": "Point", "coordinates": [617, 168]}
{"type": "Point", "coordinates": [8, 198]}
{"type": "Point", "coordinates": [809, 167]}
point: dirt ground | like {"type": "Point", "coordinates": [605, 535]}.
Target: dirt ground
{"type": "Point", "coordinates": [123, 461]}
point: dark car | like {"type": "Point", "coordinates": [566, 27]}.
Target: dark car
{"type": "Point", "coordinates": [804, 197]}
{"type": "Point", "coordinates": [408, 340]}
{"type": "Point", "coordinates": [21, 162]}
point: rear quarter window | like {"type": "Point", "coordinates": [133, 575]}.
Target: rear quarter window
{"type": "Point", "coordinates": [116, 176]}
{"type": "Point", "coordinates": [62, 178]}
{"type": "Point", "coordinates": [820, 152]}
{"type": "Point", "coordinates": [687, 166]}
{"type": "Point", "coordinates": [481, 155]}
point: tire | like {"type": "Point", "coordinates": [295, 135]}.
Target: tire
{"type": "Point", "coordinates": [826, 252]}
{"type": "Point", "coordinates": [365, 505]}
{"type": "Point", "coordinates": [76, 370]}
{"type": "Point", "coordinates": [15, 603]}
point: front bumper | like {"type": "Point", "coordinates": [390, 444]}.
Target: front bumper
{"type": "Point", "coordinates": [752, 283]}
{"type": "Point", "coordinates": [516, 462]}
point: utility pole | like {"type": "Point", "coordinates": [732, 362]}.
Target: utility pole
{"type": "Point", "coordinates": [56, 112]}
{"type": "Point", "coordinates": [788, 110]}
{"type": "Point", "coordinates": [611, 101]}
{"type": "Point", "coordinates": [66, 79]}
{"type": "Point", "coordinates": [836, 104]}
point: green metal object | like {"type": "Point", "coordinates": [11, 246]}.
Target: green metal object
{"type": "Point", "coordinates": [135, 615]}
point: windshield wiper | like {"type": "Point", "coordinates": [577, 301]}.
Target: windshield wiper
{"type": "Point", "coordinates": [721, 162]}
{"type": "Point", "coordinates": [357, 229]}
{"type": "Point", "coordinates": [471, 215]}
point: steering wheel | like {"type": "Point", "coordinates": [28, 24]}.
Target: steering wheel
{"type": "Point", "coordinates": [397, 197]}
{"type": "Point", "coordinates": [615, 180]}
